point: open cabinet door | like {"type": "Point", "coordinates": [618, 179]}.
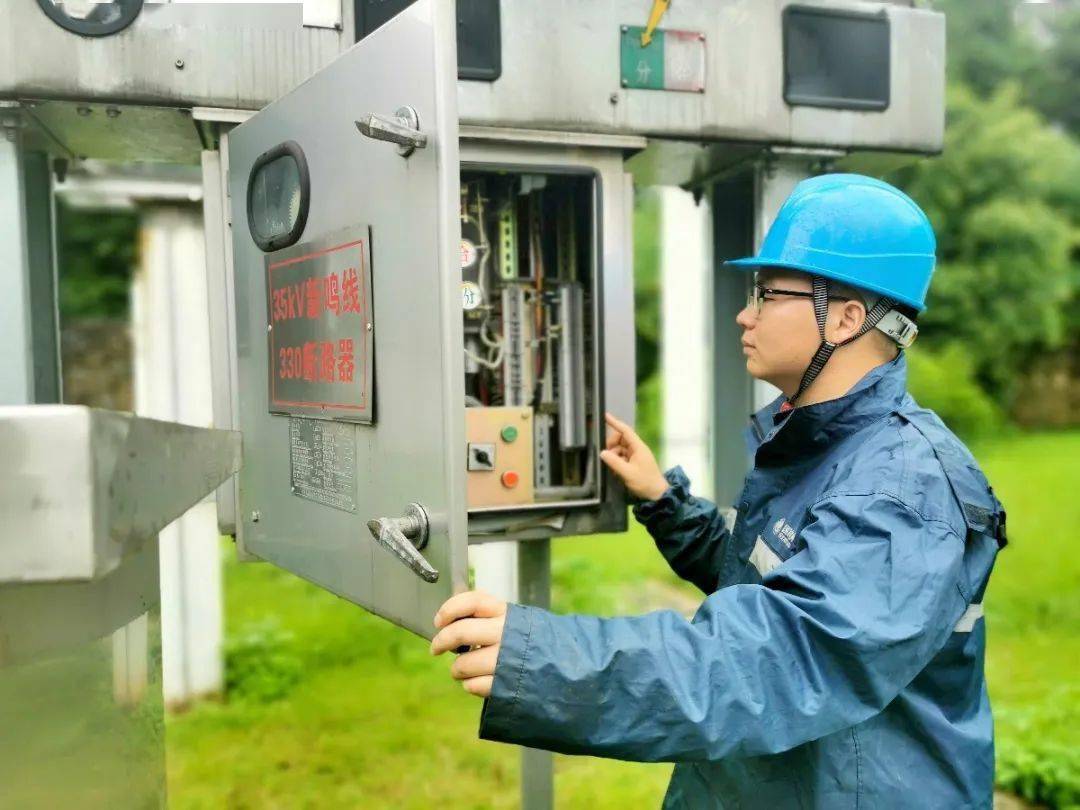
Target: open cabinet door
{"type": "Point", "coordinates": [345, 227]}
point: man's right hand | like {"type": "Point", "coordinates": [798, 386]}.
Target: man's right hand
{"type": "Point", "coordinates": [632, 461]}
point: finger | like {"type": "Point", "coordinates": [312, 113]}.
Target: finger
{"type": "Point", "coordinates": [615, 422]}
{"type": "Point", "coordinates": [467, 632]}
{"type": "Point", "coordinates": [475, 663]}
{"type": "Point", "coordinates": [628, 435]}
{"type": "Point", "coordinates": [614, 439]}
{"type": "Point", "coordinates": [469, 603]}
{"type": "Point", "coordinates": [481, 687]}
{"type": "Point", "coordinates": [620, 466]}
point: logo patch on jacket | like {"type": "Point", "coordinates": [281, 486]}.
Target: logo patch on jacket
{"type": "Point", "coordinates": [784, 532]}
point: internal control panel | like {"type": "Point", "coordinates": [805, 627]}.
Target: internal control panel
{"type": "Point", "coordinates": [528, 265]}
{"type": "Point", "coordinates": [500, 456]}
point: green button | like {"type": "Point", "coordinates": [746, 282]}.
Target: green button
{"type": "Point", "coordinates": [509, 433]}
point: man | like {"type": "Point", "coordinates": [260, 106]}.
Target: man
{"type": "Point", "coordinates": [837, 660]}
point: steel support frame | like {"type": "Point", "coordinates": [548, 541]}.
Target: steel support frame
{"type": "Point", "coordinates": [29, 319]}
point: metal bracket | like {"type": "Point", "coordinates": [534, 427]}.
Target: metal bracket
{"type": "Point", "coordinates": [404, 537]}
{"type": "Point", "coordinates": [11, 120]}
{"type": "Point", "coordinates": [84, 489]}
{"type": "Point", "coordinates": [403, 129]}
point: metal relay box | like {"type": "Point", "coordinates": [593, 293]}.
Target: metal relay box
{"type": "Point", "coordinates": [430, 323]}
{"type": "Point", "coordinates": [760, 81]}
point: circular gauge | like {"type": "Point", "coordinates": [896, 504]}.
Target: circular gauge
{"type": "Point", "coordinates": [92, 18]}
{"type": "Point", "coordinates": [278, 196]}
{"type": "Point", "coordinates": [468, 254]}
{"type": "Point", "coordinates": [472, 295]}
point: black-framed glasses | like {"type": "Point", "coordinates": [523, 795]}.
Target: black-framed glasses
{"type": "Point", "coordinates": [758, 295]}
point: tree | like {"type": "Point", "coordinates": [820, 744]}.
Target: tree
{"type": "Point", "coordinates": [96, 255]}
{"type": "Point", "coordinates": [1055, 86]}
{"type": "Point", "coordinates": [647, 315]}
{"type": "Point", "coordinates": [1003, 199]}
{"type": "Point", "coordinates": [985, 47]}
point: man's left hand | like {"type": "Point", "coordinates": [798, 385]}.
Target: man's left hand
{"type": "Point", "coordinates": [472, 619]}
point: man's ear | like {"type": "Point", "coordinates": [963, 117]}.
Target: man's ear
{"type": "Point", "coordinates": [850, 316]}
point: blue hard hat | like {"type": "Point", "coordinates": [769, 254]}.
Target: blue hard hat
{"type": "Point", "coordinates": [853, 229]}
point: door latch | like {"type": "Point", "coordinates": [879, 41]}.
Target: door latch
{"type": "Point", "coordinates": [403, 128]}
{"type": "Point", "coordinates": [404, 537]}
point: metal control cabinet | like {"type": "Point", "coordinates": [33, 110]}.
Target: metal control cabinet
{"type": "Point", "coordinates": [366, 200]}
{"type": "Point", "coordinates": [333, 461]}
{"type": "Point", "coordinates": [742, 79]}
{"type": "Point", "coordinates": [186, 55]}
{"type": "Point", "coordinates": [608, 348]}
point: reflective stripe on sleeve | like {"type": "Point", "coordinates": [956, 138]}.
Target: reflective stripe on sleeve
{"type": "Point", "coordinates": [973, 613]}
{"type": "Point", "coordinates": [763, 558]}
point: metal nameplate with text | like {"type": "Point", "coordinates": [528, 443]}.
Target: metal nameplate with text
{"type": "Point", "coordinates": [322, 457]}
{"type": "Point", "coordinates": [321, 328]}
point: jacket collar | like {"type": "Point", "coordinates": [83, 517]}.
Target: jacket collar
{"type": "Point", "coordinates": [813, 427]}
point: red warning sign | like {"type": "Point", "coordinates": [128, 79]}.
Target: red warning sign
{"type": "Point", "coordinates": [321, 329]}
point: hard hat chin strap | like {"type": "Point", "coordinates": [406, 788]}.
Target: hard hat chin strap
{"type": "Point", "coordinates": [824, 351]}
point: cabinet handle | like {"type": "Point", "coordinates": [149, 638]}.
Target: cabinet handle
{"type": "Point", "coordinates": [404, 537]}
{"type": "Point", "coordinates": [403, 128]}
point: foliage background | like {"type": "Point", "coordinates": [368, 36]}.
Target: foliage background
{"type": "Point", "coordinates": [1004, 198]}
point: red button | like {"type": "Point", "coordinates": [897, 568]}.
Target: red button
{"type": "Point", "coordinates": [510, 479]}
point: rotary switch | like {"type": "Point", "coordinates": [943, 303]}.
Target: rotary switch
{"type": "Point", "coordinates": [481, 457]}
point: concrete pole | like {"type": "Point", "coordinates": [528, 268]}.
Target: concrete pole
{"type": "Point", "coordinates": [686, 307]}
{"type": "Point", "coordinates": [521, 572]}
{"type": "Point", "coordinates": [495, 568]}
{"type": "Point", "coordinates": [170, 324]}
{"type": "Point", "coordinates": [17, 372]}
{"type": "Point", "coordinates": [534, 588]}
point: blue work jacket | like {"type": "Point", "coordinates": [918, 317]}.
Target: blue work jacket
{"type": "Point", "coordinates": [837, 661]}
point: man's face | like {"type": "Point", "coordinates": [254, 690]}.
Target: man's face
{"type": "Point", "coordinates": [780, 341]}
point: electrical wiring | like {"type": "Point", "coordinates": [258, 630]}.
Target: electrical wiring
{"type": "Point", "coordinates": [486, 363]}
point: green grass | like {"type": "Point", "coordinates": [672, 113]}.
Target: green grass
{"type": "Point", "coordinates": [1033, 611]}
{"type": "Point", "coordinates": [375, 722]}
